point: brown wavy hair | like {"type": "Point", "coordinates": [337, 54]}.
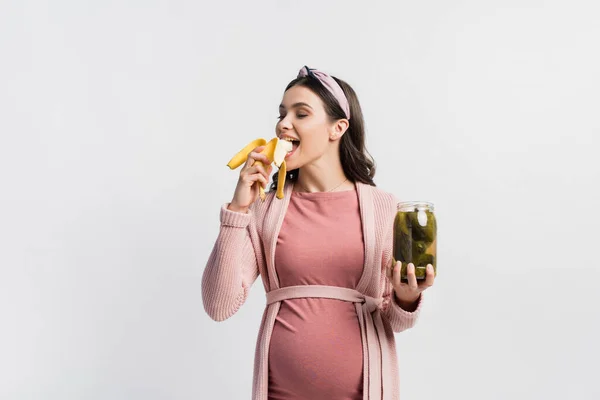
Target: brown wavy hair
{"type": "Point", "coordinates": [357, 163]}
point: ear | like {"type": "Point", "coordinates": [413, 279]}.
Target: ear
{"type": "Point", "coordinates": [338, 128]}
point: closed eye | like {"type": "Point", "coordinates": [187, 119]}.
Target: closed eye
{"type": "Point", "coordinates": [298, 115]}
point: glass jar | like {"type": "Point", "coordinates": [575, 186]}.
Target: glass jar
{"type": "Point", "coordinates": [415, 237]}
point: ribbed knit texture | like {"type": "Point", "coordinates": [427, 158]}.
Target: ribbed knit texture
{"type": "Point", "coordinates": [245, 247]}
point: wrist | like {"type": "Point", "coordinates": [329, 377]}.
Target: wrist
{"type": "Point", "coordinates": [407, 303]}
{"type": "Point", "coordinates": [233, 207]}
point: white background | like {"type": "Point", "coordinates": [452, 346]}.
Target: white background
{"type": "Point", "coordinates": [117, 120]}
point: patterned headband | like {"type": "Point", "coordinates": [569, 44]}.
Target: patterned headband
{"type": "Point", "coordinates": [330, 84]}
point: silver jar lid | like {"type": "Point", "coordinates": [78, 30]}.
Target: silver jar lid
{"type": "Point", "coordinates": [418, 205]}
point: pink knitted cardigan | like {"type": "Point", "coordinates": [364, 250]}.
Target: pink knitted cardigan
{"type": "Point", "coordinates": [245, 249]}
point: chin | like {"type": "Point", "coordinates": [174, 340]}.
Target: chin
{"type": "Point", "coordinates": [291, 165]}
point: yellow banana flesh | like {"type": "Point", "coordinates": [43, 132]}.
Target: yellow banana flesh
{"type": "Point", "coordinates": [275, 150]}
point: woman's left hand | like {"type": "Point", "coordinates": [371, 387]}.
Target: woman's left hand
{"type": "Point", "coordinates": [408, 293]}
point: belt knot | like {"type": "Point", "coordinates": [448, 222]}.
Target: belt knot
{"type": "Point", "coordinates": [372, 303]}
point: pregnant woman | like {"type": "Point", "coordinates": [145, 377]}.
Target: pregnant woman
{"type": "Point", "coordinates": [324, 253]}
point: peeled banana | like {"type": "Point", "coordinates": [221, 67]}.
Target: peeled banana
{"type": "Point", "coordinates": [275, 150]}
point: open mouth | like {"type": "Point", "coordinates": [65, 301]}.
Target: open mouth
{"type": "Point", "coordinates": [295, 144]}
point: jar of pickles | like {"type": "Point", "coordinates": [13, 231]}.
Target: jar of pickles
{"type": "Point", "coordinates": [415, 237]}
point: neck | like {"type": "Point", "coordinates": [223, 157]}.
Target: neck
{"type": "Point", "coordinates": [322, 176]}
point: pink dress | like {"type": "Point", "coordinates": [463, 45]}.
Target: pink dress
{"type": "Point", "coordinates": [315, 350]}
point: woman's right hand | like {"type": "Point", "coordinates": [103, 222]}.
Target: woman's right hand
{"type": "Point", "coordinates": [251, 176]}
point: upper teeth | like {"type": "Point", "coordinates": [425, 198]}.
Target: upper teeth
{"type": "Point", "coordinates": [290, 139]}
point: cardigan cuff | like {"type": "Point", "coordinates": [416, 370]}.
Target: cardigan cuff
{"type": "Point", "coordinates": [234, 218]}
{"type": "Point", "coordinates": [401, 311]}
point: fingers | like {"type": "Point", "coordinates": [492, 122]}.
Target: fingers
{"type": "Point", "coordinates": [396, 274]}
{"type": "Point", "coordinates": [429, 279]}
{"type": "Point", "coordinates": [412, 278]}
{"type": "Point", "coordinates": [261, 169]}
{"type": "Point", "coordinates": [258, 169]}
{"type": "Point", "coordinates": [257, 177]}
{"type": "Point", "coordinates": [253, 154]}
{"type": "Point", "coordinates": [256, 156]}
{"type": "Point", "coordinates": [254, 174]}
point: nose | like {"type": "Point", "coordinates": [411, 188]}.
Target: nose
{"type": "Point", "coordinates": [284, 124]}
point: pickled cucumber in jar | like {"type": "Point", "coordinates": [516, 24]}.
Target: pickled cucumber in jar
{"type": "Point", "coordinates": [415, 234]}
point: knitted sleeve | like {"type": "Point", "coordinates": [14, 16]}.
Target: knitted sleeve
{"type": "Point", "coordinates": [232, 267]}
{"type": "Point", "coordinates": [399, 318]}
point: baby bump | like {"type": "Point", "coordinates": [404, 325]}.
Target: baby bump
{"type": "Point", "coordinates": [316, 351]}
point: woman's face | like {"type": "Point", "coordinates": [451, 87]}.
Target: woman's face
{"type": "Point", "coordinates": [302, 116]}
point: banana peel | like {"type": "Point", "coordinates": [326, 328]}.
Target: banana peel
{"type": "Point", "coordinates": [242, 155]}
{"type": "Point", "coordinates": [275, 150]}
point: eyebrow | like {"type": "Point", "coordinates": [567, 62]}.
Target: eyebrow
{"type": "Point", "coordinates": [296, 105]}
